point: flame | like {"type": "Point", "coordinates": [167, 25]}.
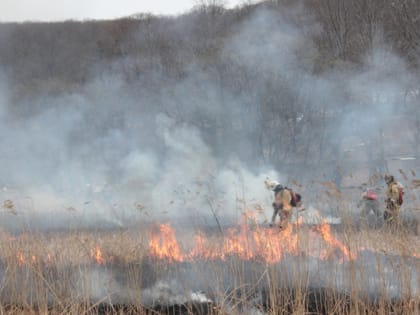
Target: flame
{"type": "Point", "coordinates": [20, 258]}
{"type": "Point", "coordinates": [324, 230]}
{"type": "Point", "coordinates": [265, 244]}
{"type": "Point", "coordinates": [97, 256]}
{"type": "Point", "coordinates": [203, 248]}
{"type": "Point", "coordinates": [48, 259]}
{"type": "Point", "coordinates": [248, 241]}
{"type": "Point", "coordinates": [165, 245]}
{"type": "Point", "coordinates": [31, 259]}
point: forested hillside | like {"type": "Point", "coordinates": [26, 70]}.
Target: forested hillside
{"type": "Point", "coordinates": [302, 87]}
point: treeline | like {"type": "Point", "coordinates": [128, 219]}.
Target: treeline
{"type": "Point", "coordinates": [279, 71]}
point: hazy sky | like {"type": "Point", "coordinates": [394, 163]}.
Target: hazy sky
{"type": "Point", "coordinates": [56, 10]}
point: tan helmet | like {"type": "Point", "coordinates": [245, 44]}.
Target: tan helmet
{"type": "Point", "coordinates": [270, 184]}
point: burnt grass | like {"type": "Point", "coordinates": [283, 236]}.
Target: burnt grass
{"type": "Point", "coordinates": [284, 301]}
{"type": "Point", "coordinates": [248, 286]}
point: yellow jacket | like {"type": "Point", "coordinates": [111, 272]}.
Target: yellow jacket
{"type": "Point", "coordinates": [283, 199]}
{"type": "Point", "coordinates": [392, 195]}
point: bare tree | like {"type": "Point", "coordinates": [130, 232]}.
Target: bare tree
{"type": "Point", "coordinates": [337, 19]}
{"type": "Point", "coordinates": [404, 27]}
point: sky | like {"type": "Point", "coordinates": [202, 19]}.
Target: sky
{"type": "Point", "coordinates": [59, 10]}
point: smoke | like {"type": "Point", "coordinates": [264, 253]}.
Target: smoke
{"type": "Point", "coordinates": [98, 159]}
{"type": "Point", "coordinates": [115, 153]}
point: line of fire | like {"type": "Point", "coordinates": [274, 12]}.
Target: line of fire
{"type": "Point", "coordinates": [247, 241]}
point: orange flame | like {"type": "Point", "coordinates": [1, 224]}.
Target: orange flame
{"type": "Point", "coordinates": [20, 258]}
{"type": "Point", "coordinates": [202, 249]}
{"type": "Point", "coordinates": [266, 244]}
{"type": "Point", "coordinates": [97, 256]}
{"type": "Point", "coordinates": [48, 259]}
{"type": "Point", "coordinates": [165, 245]}
{"type": "Point", "coordinates": [325, 231]}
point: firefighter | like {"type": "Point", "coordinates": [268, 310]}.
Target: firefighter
{"type": "Point", "coordinates": [393, 201]}
{"type": "Point", "coordinates": [369, 202]}
{"type": "Point", "coordinates": [284, 201]}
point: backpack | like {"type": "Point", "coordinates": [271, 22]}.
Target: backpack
{"type": "Point", "coordinates": [295, 198]}
{"type": "Point", "coordinates": [371, 195]}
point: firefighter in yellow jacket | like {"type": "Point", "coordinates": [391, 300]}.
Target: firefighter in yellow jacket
{"type": "Point", "coordinates": [393, 200]}
{"type": "Point", "coordinates": [284, 201]}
